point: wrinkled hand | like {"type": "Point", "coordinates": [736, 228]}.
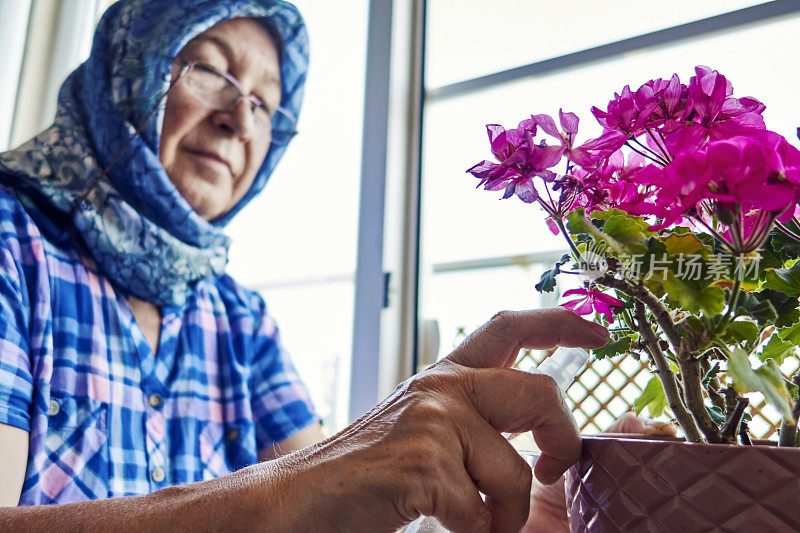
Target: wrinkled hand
{"type": "Point", "coordinates": [548, 512]}
{"type": "Point", "coordinates": [434, 444]}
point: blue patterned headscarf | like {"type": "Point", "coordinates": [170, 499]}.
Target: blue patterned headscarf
{"type": "Point", "coordinates": [135, 224]}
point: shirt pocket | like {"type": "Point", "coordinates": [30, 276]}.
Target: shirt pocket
{"type": "Point", "coordinates": [76, 450]}
{"type": "Point", "coordinates": [222, 448]}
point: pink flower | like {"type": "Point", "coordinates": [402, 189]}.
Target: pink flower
{"type": "Point", "coordinates": [592, 301]}
{"type": "Point", "coordinates": [520, 159]}
{"type": "Point", "coordinates": [613, 184]}
{"type": "Point", "coordinates": [670, 99]}
{"type": "Point", "coordinates": [629, 114]}
{"type": "Point", "coordinates": [622, 114]}
{"type": "Point", "coordinates": [714, 113]}
{"type": "Point", "coordinates": [569, 125]}
{"type": "Point", "coordinates": [745, 175]}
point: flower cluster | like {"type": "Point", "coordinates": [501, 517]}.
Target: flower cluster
{"type": "Point", "coordinates": [677, 153]}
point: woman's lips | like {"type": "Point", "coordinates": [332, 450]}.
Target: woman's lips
{"type": "Point", "coordinates": [211, 159]}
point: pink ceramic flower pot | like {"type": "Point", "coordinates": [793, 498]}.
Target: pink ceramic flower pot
{"type": "Point", "coordinates": [622, 483]}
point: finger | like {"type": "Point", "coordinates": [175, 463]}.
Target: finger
{"type": "Point", "coordinates": [497, 343]}
{"type": "Point", "coordinates": [654, 427]}
{"type": "Point", "coordinates": [499, 472]}
{"type": "Point", "coordinates": [559, 442]}
{"type": "Point", "coordinates": [516, 401]}
{"type": "Point", "coordinates": [458, 505]}
{"type": "Point", "coordinates": [627, 423]}
{"type": "Point", "coordinates": [630, 423]}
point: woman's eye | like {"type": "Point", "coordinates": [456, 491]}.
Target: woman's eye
{"type": "Point", "coordinates": [264, 108]}
{"type": "Point", "coordinates": [203, 65]}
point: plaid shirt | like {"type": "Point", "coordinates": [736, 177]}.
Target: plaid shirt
{"type": "Point", "coordinates": [106, 416]}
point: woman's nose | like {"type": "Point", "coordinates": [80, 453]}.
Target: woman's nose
{"type": "Point", "coordinates": [238, 119]}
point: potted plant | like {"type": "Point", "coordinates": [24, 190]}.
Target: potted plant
{"type": "Point", "coordinates": [681, 222]}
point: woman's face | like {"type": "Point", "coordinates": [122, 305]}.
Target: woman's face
{"type": "Point", "coordinates": [213, 156]}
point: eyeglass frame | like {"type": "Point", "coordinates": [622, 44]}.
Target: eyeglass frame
{"type": "Point", "coordinates": [254, 100]}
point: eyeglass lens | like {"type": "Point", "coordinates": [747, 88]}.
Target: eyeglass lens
{"type": "Point", "coordinates": [220, 93]}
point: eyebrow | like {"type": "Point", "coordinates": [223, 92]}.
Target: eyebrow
{"type": "Point", "coordinates": [271, 80]}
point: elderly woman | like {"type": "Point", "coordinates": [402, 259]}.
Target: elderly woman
{"type": "Point", "coordinates": [130, 362]}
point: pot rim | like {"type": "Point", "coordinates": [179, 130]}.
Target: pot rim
{"type": "Point", "coordinates": [761, 444]}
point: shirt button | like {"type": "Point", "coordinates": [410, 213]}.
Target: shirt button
{"type": "Point", "coordinates": [232, 434]}
{"type": "Point", "coordinates": [53, 408]}
{"type": "Point", "coordinates": [157, 474]}
{"type": "Point", "coordinates": [154, 400]}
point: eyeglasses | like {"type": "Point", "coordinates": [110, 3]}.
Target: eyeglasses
{"type": "Point", "coordinates": [221, 91]}
{"type": "Point", "coordinates": [217, 90]}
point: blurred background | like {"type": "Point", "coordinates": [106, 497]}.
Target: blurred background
{"type": "Point", "coordinates": [377, 233]}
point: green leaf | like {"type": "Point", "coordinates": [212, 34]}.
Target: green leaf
{"type": "Point", "coordinates": [694, 296]}
{"type": "Point", "coordinates": [770, 258]}
{"type": "Point", "coordinates": [785, 280]}
{"type": "Point", "coordinates": [791, 333]}
{"type": "Point", "coordinates": [577, 223]}
{"type": "Point", "coordinates": [786, 307]}
{"type": "Point", "coordinates": [676, 244]}
{"type": "Point", "coordinates": [767, 380]}
{"type": "Point", "coordinates": [777, 349]}
{"type": "Point", "coordinates": [615, 347]}
{"type": "Point", "coordinates": [630, 231]}
{"type": "Point", "coordinates": [656, 251]}
{"type": "Point", "coordinates": [547, 283]}
{"type": "Point", "coordinates": [784, 245]}
{"type": "Point", "coordinates": [761, 310]}
{"type": "Point", "coordinates": [741, 331]}
{"type": "Point", "coordinates": [694, 322]}
{"type": "Point", "coordinates": [769, 307]}
{"type": "Point", "coordinates": [603, 215]}
{"type": "Point", "coordinates": [652, 397]}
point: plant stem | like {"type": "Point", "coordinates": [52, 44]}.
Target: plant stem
{"type": "Point", "coordinates": [731, 399]}
{"type": "Point", "coordinates": [576, 253]}
{"type": "Point", "coordinates": [733, 300]}
{"type": "Point", "coordinates": [640, 292]}
{"type": "Point", "coordinates": [620, 330]}
{"type": "Point", "coordinates": [684, 351]}
{"type": "Point", "coordinates": [660, 145]}
{"type": "Point", "coordinates": [693, 389]}
{"type": "Point", "coordinates": [788, 434]}
{"type": "Point", "coordinates": [743, 436]}
{"type": "Point", "coordinates": [655, 157]}
{"type": "Point", "coordinates": [731, 427]}
{"type": "Point", "coordinates": [666, 376]}
{"type": "Point", "coordinates": [629, 320]}
{"type": "Point", "coordinates": [786, 231]}
{"type": "Point", "coordinates": [715, 234]}
{"type": "Point", "coordinates": [713, 387]}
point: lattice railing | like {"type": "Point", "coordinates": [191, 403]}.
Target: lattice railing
{"type": "Point", "coordinates": [607, 388]}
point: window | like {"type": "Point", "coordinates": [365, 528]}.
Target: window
{"type": "Point", "coordinates": [502, 62]}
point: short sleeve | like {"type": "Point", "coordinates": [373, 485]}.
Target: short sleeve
{"type": "Point", "coordinates": [16, 382]}
{"type": "Point", "coordinates": [280, 399]}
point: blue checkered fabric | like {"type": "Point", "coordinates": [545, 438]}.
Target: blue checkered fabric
{"type": "Point", "coordinates": [107, 417]}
